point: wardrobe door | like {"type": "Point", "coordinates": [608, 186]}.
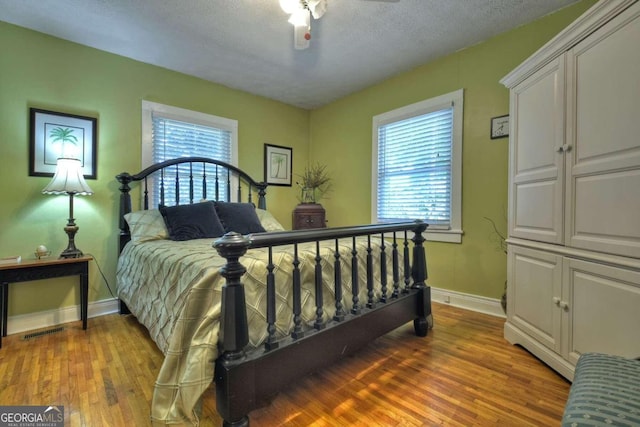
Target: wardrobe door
{"type": "Point", "coordinates": [536, 156]}
{"type": "Point", "coordinates": [603, 164]}
{"type": "Point", "coordinates": [602, 303]}
{"type": "Point", "coordinates": [534, 294]}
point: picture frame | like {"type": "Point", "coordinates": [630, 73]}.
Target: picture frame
{"type": "Point", "coordinates": [500, 127]}
{"type": "Point", "coordinates": [54, 135]}
{"type": "Point", "coordinates": [278, 161]}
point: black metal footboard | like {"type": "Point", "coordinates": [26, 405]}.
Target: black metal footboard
{"type": "Point", "coordinates": [247, 379]}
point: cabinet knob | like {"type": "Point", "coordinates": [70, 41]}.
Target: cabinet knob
{"type": "Point", "coordinates": [563, 305]}
{"type": "Point", "coordinates": [565, 148]}
{"type": "Point", "coordinates": [556, 300]}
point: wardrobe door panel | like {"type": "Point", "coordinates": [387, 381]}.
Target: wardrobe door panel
{"type": "Point", "coordinates": [603, 310]}
{"type": "Point", "coordinates": [536, 156]}
{"type": "Point", "coordinates": [603, 163]}
{"type": "Point", "coordinates": [533, 294]}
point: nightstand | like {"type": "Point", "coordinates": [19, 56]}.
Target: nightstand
{"type": "Point", "coordinates": [309, 215]}
{"type": "Point", "coordinates": [40, 269]}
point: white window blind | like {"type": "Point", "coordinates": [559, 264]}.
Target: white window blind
{"type": "Point", "coordinates": [169, 133]}
{"type": "Point", "coordinates": [174, 138]}
{"type": "Point", "coordinates": [414, 163]}
{"type": "Point", "coordinates": [417, 173]}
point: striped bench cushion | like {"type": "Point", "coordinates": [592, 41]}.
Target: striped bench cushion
{"type": "Point", "coordinates": [605, 392]}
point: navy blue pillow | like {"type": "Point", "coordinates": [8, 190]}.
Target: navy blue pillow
{"type": "Point", "coordinates": [196, 221]}
{"type": "Point", "coordinates": [239, 217]}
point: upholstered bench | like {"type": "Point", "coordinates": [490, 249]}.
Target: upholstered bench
{"type": "Point", "coordinates": [605, 392]}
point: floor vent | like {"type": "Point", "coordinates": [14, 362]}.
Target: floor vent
{"type": "Point", "coordinates": [42, 333]}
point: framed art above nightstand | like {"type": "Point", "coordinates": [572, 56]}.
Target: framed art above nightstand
{"type": "Point", "coordinates": [54, 135]}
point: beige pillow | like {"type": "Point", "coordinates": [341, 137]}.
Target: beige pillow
{"type": "Point", "coordinates": [269, 223]}
{"type": "Point", "coordinates": [146, 225]}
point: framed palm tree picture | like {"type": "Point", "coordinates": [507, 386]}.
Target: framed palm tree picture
{"type": "Point", "coordinates": [56, 135]}
{"type": "Point", "coordinates": [277, 165]}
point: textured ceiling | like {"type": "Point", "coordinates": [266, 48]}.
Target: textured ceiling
{"type": "Point", "coordinates": [248, 44]}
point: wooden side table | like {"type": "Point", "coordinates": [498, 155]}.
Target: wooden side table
{"type": "Point", "coordinates": [309, 215]}
{"type": "Point", "coordinates": [47, 268]}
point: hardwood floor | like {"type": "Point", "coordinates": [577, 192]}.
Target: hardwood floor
{"type": "Point", "coordinates": [464, 373]}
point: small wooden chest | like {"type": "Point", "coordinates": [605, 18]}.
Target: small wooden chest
{"type": "Point", "coordinates": [309, 215]}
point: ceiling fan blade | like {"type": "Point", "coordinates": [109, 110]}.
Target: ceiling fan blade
{"type": "Point", "coordinates": [317, 8]}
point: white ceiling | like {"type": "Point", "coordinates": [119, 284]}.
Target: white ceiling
{"type": "Point", "coordinates": [248, 44]}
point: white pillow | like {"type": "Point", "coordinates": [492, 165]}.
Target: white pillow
{"type": "Point", "coordinates": [269, 223]}
{"type": "Point", "coordinates": [146, 225]}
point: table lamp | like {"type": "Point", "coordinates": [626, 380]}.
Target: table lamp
{"type": "Point", "coordinates": [69, 179]}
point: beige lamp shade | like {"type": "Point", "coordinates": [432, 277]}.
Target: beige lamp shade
{"type": "Point", "coordinates": [68, 179]}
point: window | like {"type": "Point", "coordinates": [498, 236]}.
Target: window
{"type": "Point", "coordinates": [417, 166]}
{"type": "Point", "coordinates": [171, 132]}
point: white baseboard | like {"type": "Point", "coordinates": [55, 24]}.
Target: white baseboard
{"type": "Point", "coordinates": [468, 301]}
{"type": "Point", "coordinates": [45, 319]}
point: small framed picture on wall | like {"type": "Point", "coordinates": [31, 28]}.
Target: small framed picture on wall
{"type": "Point", "coordinates": [278, 162]}
{"type": "Point", "coordinates": [500, 127]}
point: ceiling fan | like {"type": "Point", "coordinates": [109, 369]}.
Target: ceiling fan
{"type": "Point", "coordinates": [300, 13]}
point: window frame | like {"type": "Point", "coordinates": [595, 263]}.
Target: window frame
{"type": "Point", "coordinates": [189, 116]}
{"type": "Point", "coordinates": [453, 232]}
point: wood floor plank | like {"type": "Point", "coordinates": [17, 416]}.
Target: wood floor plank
{"type": "Point", "coordinates": [462, 374]}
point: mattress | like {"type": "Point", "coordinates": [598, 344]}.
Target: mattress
{"type": "Point", "coordinates": [174, 289]}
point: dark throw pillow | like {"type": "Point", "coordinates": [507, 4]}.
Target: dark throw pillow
{"type": "Point", "coordinates": [196, 221]}
{"type": "Point", "coordinates": [239, 217]}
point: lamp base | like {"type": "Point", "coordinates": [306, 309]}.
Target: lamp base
{"type": "Point", "coordinates": [71, 251]}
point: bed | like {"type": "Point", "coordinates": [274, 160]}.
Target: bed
{"type": "Point", "coordinates": [244, 303]}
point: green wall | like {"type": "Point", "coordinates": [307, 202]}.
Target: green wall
{"type": "Point", "coordinates": [44, 72]}
{"type": "Point", "coordinates": [477, 265]}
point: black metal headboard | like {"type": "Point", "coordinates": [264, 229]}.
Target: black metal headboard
{"type": "Point", "coordinates": [209, 172]}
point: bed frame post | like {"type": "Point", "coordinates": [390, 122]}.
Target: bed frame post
{"type": "Point", "coordinates": [262, 192]}
{"type": "Point", "coordinates": [125, 207]}
{"type": "Point", "coordinates": [125, 234]}
{"type": "Point", "coordinates": [424, 321]}
{"type": "Point", "coordinates": [234, 334]}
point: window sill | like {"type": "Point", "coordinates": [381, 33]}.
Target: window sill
{"type": "Point", "coordinates": [447, 236]}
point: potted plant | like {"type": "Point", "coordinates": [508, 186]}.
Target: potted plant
{"type": "Point", "coordinates": [314, 183]}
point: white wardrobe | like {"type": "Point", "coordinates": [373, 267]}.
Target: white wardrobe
{"type": "Point", "coordinates": [574, 191]}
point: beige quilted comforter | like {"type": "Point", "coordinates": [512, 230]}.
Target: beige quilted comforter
{"type": "Point", "coordinates": [174, 289]}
